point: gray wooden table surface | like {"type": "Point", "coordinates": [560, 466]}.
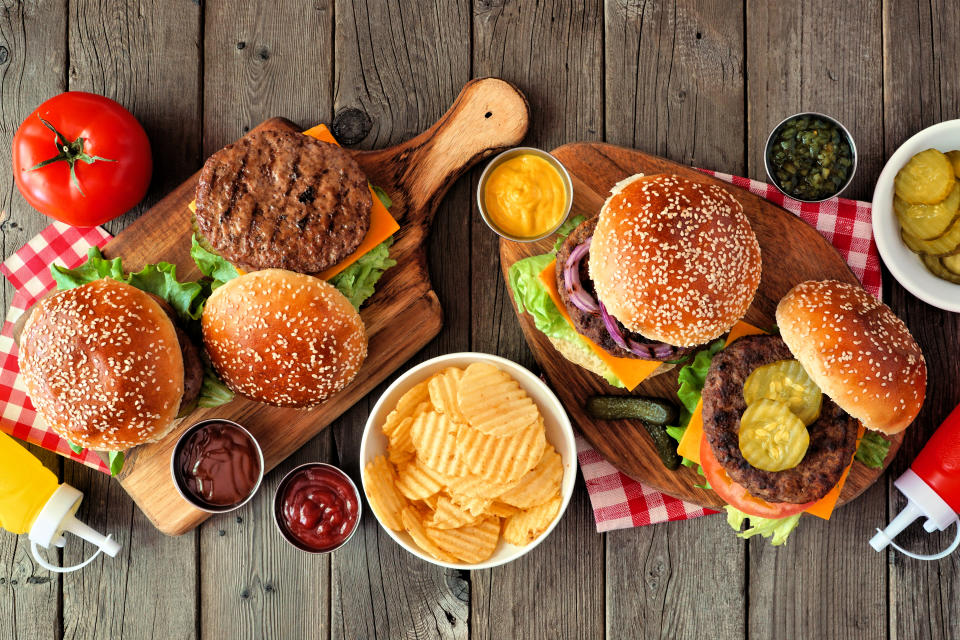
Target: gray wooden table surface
{"type": "Point", "coordinates": [698, 81]}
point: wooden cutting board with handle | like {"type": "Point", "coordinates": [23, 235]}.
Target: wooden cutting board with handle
{"type": "Point", "coordinates": [793, 251]}
{"type": "Point", "coordinates": [402, 316]}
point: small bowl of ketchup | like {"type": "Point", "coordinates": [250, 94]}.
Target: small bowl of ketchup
{"type": "Point", "coordinates": [217, 465]}
{"type": "Point", "coordinates": [317, 507]}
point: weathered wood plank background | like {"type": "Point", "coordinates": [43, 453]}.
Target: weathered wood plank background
{"type": "Point", "coordinates": [697, 81]}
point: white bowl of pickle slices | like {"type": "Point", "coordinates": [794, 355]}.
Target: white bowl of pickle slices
{"type": "Point", "coordinates": [468, 460]}
{"type": "Point", "coordinates": [916, 215]}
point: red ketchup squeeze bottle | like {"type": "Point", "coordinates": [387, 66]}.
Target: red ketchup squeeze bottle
{"type": "Point", "coordinates": [932, 488]}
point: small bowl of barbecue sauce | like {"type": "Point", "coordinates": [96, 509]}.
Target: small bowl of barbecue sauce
{"type": "Point", "coordinates": [317, 507]}
{"type": "Point", "coordinates": [217, 465]}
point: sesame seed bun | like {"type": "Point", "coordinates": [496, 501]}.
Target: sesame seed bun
{"type": "Point", "coordinates": [102, 365]}
{"type": "Point", "coordinates": [857, 351]}
{"type": "Point", "coordinates": [283, 338]}
{"type": "Point", "coordinates": [674, 260]}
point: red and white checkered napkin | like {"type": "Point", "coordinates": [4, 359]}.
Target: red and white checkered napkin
{"type": "Point", "coordinates": [619, 501]}
{"type": "Point", "coordinates": [28, 270]}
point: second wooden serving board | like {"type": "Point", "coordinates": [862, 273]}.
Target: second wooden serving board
{"type": "Point", "coordinates": [792, 251]}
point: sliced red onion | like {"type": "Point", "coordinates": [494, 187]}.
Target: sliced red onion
{"type": "Point", "coordinates": [571, 278]}
{"type": "Point", "coordinates": [613, 329]}
{"type": "Point", "coordinates": [647, 351]}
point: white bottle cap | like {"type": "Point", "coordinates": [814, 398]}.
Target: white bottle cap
{"type": "Point", "coordinates": [57, 517]}
{"type": "Point", "coordinates": [922, 501]}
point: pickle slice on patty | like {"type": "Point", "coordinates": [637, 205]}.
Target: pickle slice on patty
{"type": "Point", "coordinates": [772, 437]}
{"type": "Point", "coordinates": [785, 381]}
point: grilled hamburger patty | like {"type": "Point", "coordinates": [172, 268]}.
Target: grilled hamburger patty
{"type": "Point", "coordinates": [588, 324]}
{"type": "Point", "coordinates": [280, 199]}
{"type": "Point", "coordinates": [833, 436]}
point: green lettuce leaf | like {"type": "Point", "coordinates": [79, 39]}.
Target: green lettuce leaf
{"type": "Point", "coordinates": [357, 281]}
{"type": "Point", "coordinates": [116, 462]}
{"type": "Point", "coordinates": [95, 268]}
{"type": "Point", "coordinates": [564, 231]}
{"type": "Point", "coordinates": [160, 279]}
{"type": "Point", "coordinates": [213, 392]}
{"type": "Point", "coordinates": [776, 529]}
{"type": "Point", "coordinates": [872, 450]}
{"type": "Point", "coordinates": [382, 196]}
{"type": "Point", "coordinates": [187, 298]}
{"type": "Point", "coordinates": [691, 379]}
{"type": "Point", "coordinates": [212, 265]}
{"type": "Point", "coordinates": [532, 297]}
{"type": "Point", "coordinates": [75, 447]}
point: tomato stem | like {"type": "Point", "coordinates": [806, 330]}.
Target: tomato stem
{"type": "Point", "coordinates": [69, 152]}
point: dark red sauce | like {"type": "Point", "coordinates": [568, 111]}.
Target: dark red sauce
{"type": "Point", "coordinates": [317, 507]}
{"type": "Point", "coordinates": [219, 464]}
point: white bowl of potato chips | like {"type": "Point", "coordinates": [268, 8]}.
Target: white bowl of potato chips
{"type": "Point", "coordinates": [468, 460]}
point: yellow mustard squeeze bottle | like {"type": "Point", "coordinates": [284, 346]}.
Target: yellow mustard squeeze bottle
{"type": "Point", "coordinates": [32, 502]}
{"type": "Point", "coordinates": [25, 486]}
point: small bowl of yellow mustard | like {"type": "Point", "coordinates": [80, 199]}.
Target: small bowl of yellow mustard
{"type": "Point", "coordinates": [524, 194]}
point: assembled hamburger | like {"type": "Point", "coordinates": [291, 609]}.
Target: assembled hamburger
{"type": "Point", "coordinates": [106, 367]}
{"type": "Point", "coordinates": [668, 264]}
{"type": "Point", "coordinates": [781, 413]}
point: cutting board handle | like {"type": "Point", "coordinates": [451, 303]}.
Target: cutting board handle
{"type": "Point", "coordinates": [490, 114]}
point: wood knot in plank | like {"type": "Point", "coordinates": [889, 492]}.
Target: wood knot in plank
{"type": "Point", "coordinates": [351, 125]}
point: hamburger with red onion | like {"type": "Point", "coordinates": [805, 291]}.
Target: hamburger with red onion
{"type": "Point", "coordinates": [667, 265]}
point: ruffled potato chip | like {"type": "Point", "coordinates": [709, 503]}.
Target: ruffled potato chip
{"type": "Point", "coordinates": [494, 403]}
{"type": "Point", "coordinates": [386, 501]}
{"type": "Point", "coordinates": [443, 393]}
{"type": "Point", "coordinates": [472, 544]}
{"type": "Point", "coordinates": [539, 484]}
{"type": "Point", "coordinates": [523, 528]}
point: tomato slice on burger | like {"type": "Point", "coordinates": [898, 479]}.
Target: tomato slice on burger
{"type": "Point", "coordinates": [736, 495]}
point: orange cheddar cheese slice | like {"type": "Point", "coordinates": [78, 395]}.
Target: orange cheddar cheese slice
{"type": "Point", "coordinates": [823, 507]}
{"type": "Point", "coordinates": [630, 371]}
{"type": "Point", "coordinates": [382, 224]}
{"type": "Point", "coordinates": [689, 446]}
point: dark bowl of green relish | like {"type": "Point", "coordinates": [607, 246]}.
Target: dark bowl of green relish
{"type": "Point", "coordinates": [810, 157]}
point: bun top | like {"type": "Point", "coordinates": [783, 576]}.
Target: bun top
{"type": "Point", "coordinates": [857, 351]}
{"type": "Point", "coordinates": [674, 260]}
{"type": "Point", "coordinates": [102, 365]}
{"type": "Point", "coordinates": [283, 338]}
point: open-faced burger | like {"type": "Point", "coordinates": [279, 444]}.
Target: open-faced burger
{"type": "Point", "coordinates": [782, 413]}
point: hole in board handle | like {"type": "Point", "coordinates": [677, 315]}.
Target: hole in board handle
{"type": "Point", "coordinates": [488, 114]}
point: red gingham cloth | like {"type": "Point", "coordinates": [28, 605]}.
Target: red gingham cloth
{"type": "Point", "coordinates": [28, 270]}
{"type": "Point", "coordinates": [620, 502]}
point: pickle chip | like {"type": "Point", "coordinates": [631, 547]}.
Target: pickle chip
{"type": "Point", "coordinates": [946, 244]}
{"type": "Point", "coordinates": [928, 221]}
{"type": "Point", "coordinates": [785, 381]}
{"type": "Point", "coordinates": [927, 178]}
{"type": "Point", "coordinates": [954, 157]}
{"type": "Point", "coordinates": [772, 437]}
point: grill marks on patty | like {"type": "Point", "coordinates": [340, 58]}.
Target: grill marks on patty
{"type": "Point", "coordinates": [279, 199]}
{"type": "Point", "coordinates": [833, 436]}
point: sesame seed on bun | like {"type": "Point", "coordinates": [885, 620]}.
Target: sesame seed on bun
{"type": "Point", "coordinates": [857, 351]}
{"type": "Point", "coordinates": [102, 365]}
{"type": "Point", "coordinates": [674, 260]}
{"type": "Point", "coordinates": [283, 338]}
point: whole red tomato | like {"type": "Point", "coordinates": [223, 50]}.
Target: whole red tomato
{"type": "Point", "coordinates": [82, 159]}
